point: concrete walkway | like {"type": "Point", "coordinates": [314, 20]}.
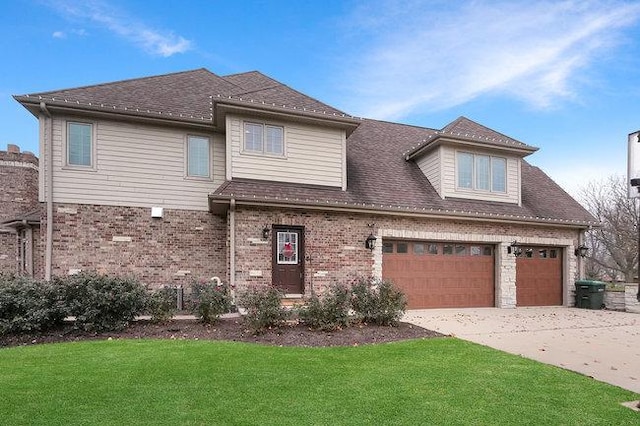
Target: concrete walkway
{"type": "Point", "coordinates": [602, 344]}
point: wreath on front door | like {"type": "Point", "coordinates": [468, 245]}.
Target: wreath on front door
{"type": "Point", "coordinates": [287, 250]}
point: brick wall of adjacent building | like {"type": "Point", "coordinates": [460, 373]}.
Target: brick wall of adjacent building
{"type": "Point", "coordinates": [18, 195]}
{"type": "Point", "coordinates": [336, 253]}
{"type": "Point", "coordinates": [180, 247]}
{"type": "Point", "coordinates": [8, 251]}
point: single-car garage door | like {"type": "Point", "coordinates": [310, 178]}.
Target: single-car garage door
{"type": "Point", "coordinates": [539, 276]}
{"type": "Point", "coordinates": [441, 275]}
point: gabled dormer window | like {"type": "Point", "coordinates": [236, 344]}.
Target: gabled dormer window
{"type": "Point", "coordinates": [481, 172]}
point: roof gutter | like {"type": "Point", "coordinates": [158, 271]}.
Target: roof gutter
{"type": "Point", "coordinates": [105, 112]}
{"type": "Point", "coordinates": [222, 201]}
{"type": "Point", "coordinates": [466, 141]}
{"type": "Point", "coordinates": [220, 107]}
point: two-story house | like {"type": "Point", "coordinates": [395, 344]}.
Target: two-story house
{"type": "Point", "coordinates": [191, 175]}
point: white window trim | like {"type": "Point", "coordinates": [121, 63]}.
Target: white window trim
{"type": "Point", "coordinates": [209, 177]}
{"type": "Point", "coordinates": [65, 146]}
{"type": "Point", "coordinates": [474, 182]}
{"type": "Point", "coordinates": [297, 249]}
{"type": "Point", "coordinates": [264, 153]}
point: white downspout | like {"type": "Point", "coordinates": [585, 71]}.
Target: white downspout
{"type": "Point", "coordinates": [232, 248]}
{"type": "Point", "coordinates": [48, 143]}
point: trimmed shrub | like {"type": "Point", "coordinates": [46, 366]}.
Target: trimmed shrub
{"type": "Point", "coordinates": [162, 304]}
{"type": "Point", "coordinates": [209, 301]}
{"type": "Point", "coordinates": [329, 312]}
{"type": "Point", "coordinates": [264, 309]}
{"type": "Point", "coordinates": [28, 305]}
{"type": "Point", "coordinates": [377, 302]}
{"type": "Point", "coordinates": [101, 302]}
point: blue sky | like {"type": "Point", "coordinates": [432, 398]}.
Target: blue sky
{"type": "Point", "coordinates": [560, 75]}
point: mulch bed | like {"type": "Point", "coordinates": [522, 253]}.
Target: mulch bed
{"type": "Point", "coordinates": [232, 329]}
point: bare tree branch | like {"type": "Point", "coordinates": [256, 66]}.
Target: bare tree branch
{"type": "Point", "coordinates": [614, 246]}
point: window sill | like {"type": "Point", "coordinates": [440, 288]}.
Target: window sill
{"type": "Point", "coordinates": [199, 178]}
{"type": "Point", "coordinates": [80, 168]}
{"type": "Point", "coordinates": [263, 155]}
{"type": "Point", "coordinates": [482, 192]}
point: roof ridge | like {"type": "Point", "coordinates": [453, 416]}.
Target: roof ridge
{"type": "Point", "coordinates": [244, 72]}
{"type": "Point", "coordinates": [279, 83]}
{"type": "Point", "coordinates": [126, 80]}
{"type": "Point", "coordinates": [463, 118]}
{"type": "Point", "coordinates": [415, 126]}
{"type": "Point", "coordinates": [253, 91]}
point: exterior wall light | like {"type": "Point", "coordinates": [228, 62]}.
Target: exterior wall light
{"type": "Point", "coordinates": [370, 242]}
{"type": "Point", "coordinates": [515, 249]}
{"type": "Point", "coordinates": [581, 250]}
{"type": "Point", "coordinates": [265, 233]}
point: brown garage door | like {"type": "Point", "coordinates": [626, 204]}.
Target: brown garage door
{"type": "Point", "coordinates": [539, 276]}
{"type": "Point", "coordinates": [441, 275]}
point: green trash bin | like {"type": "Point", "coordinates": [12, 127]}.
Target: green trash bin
{"type": "Point", "coordinates": [590, 294]}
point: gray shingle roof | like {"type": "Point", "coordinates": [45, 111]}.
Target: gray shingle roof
{"type": "Point", "coordinates": [379, 177]}
{"type": "Point", "coordinates": [259, 87]}
{"type": "Point", "coordinates": [185, 96]}
{"type": "Point", "coordinates": [463, 129]}
{"type": "Point", "coordinates": [180, 95]}
{"type": "Point", "coordinates": [29, 218]}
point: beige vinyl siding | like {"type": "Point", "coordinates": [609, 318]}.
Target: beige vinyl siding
{"type": "Point", "coordinates": [430, 166]}
{"type": "Point", "coordinates": [136, 165]}
{"type": "Point", "coordinates": [313, 155]}
{"type": "Point", "coordinates": [449, 184]}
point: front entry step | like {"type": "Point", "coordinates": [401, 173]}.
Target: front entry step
{"type": "Point", "coordinates": [291, 300]}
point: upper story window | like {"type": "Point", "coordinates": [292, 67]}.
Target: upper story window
{"type": "Point", "coordinates": [263, 138]}
{"type": "Point", "coordinates": [79, 144]}
{"type": "Point", "coordinates": [198, 156]}
{"type": "Point", "coordinates": [481, 172]}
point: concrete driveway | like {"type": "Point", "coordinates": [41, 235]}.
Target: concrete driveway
{"type": "Point", "coordinates": [602, 344]}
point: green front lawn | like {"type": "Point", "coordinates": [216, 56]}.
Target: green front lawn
{"type": "Point", "coordinates": [433, 381]}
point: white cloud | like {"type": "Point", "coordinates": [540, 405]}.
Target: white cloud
{"type": "Point", "coordinates": [64, 34]}
{"type": "Point", "coordinates": [435, 55]}
{"type": "Point", "coordinates": [101, 14]}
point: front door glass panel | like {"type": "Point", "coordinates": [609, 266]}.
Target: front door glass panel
{"type": "Point", "coordinates": [287, 248]}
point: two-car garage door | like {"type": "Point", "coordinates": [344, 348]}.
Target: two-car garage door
{"type": "Point", "coordinates": [457, 275]}
{"type": "Point", "coordinates": [441, 275]}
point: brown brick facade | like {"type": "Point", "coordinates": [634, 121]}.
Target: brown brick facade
{"type": "Point", "coordinates": [335, 242]}
{"type": "Point", "coordinates": [190, 245]}
{"type": "Point", "coordinates": [181, 246]}
{"type": "Point", "coordinates": [19, 195]}
{"type": "Point", "coordinates": [334, 246]}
